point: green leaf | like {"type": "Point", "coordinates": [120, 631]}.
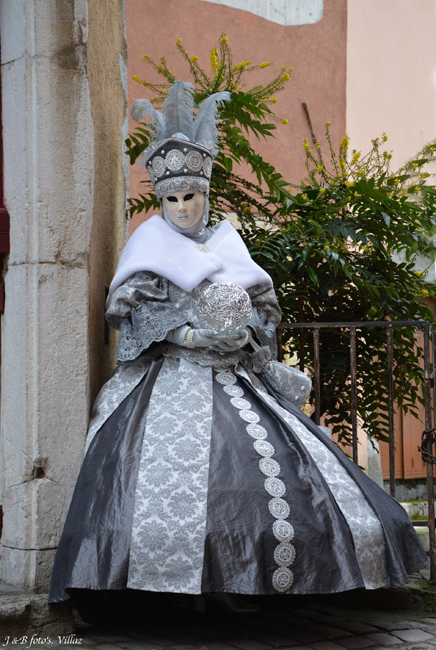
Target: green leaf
{"type": "Point", "coordinates": [386, 218]}
{"type": "Point", "coordinates": [312, 274]}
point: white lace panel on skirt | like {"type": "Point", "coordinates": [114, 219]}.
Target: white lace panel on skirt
{"type": "Point", "coordinates": [169, 518]}
{"type": "Point", "coordinates": [365, 528]}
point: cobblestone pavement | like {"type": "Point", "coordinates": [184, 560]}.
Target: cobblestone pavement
{"type": "Point", "coordinates": [313, 627]}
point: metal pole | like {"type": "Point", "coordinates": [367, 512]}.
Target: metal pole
{"type": "Point", "coordinates": [279, 344]}
{"type": "Point", "coordinates": [353, 376]}
{"type": "Point", "coordinates": [390, 360]}
{"type": "Point", "coordinates": [316, 377]}
{"type": "Point", "coordinates": [430, 482]}
{"type": "Point", "coordinates": [433, 360]}
{"type": "Point", "coordinates": [302, 346]}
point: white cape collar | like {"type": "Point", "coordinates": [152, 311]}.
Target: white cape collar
{"type": "Point", "coordinates": [155, 247]}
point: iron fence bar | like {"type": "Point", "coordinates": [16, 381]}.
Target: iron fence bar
{"type": "Point", "coordinates": [279, 344]}
{"type": "Point", "coordinates": [375, 323]}
{"type": "Point", "coordinates": [429, 449]}
{"type": "Point", "coordinates": [302, 344]}
{"type": "Point", "coordinates": [316, 376]}
{"type": "Point", "coordinates": [390, 360]}
{"type": "Point", "coordinates": [433, 360]}
{"type": "Point", "coordinates": [353, 378]}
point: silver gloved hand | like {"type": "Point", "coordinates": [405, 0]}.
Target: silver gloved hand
{"type": "Point", "coordinates": [189, 337]}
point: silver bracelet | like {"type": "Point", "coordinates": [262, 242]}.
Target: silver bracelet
{"type": "Point", "coordinates": [189, 339]}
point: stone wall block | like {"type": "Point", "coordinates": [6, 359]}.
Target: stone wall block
{"type": "Point", "coordinates": [53, 20]}
{"type": "Point", "coordinates": [44, 428]}
{"type": "Point", "coordinates": [27, 569]}
{"type": "Point", "coordinates": [31, 513]}
{"type": "Point", "coordinates": [16, 434]}
{"type": "Point", "coordinates": [12, 16]}
{"type": "Point", "coordinates": [63, 370]}
{"type": "Point", "coordinates": [15, 152]}
{"type": "Point", "coordinates": [65, 168]}
{"type": "Point", "coordinates": [48, 146]}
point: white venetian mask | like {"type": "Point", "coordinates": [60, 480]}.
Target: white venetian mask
{"type": "Point", "coordinates": [184, 208]}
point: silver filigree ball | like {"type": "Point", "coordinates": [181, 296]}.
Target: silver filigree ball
{"type": "Point", "coordinates": [224, 307]}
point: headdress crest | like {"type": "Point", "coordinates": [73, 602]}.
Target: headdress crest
{"type": "Point", "coordinates": [183, 146]}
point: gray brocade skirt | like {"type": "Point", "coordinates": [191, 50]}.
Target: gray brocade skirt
{"type": "Point", "coordinates": [201, 482]}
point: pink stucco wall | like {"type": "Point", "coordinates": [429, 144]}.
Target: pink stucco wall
{"type": "Point", "coordinates": [391, 74]}
{"type": "Point", "coordinates": [391, 87]}
{"type": "Point", "coordinates": [317, 52]}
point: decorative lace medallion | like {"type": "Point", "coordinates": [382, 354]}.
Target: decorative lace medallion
{"type": "Point", "coordinates": [282, 579]}
{"type": "Point", "coordinates": [269, 467]}
{"type": "Point", "coordinates": [194, 161]}
{"type": "Point", "coordinates": [257, 431]}
{"type": "Point", "coordinates": [284, 553]}
{"type": "Point", "coordinates": [264, 448]}
{"type": "Point", "coordinates": [274, 486]}
{"type": "Point", "coordinates": [174, 160]}
{"type": "Point", "coordinates": [249, 416]}
{"type": "Point", "coordinates": [207, 167]}
{"type": "Point", "coordinates": [158, 166]}
{"type": "Point", "coordinates": [240, 403]}
{"type": "Point", "coordinates": [279, 508]}
{"type": "Point", "coordinates": [283, 530]}
{"type": "Point", "coordinates": [203, 248]}
{"type": "Point", "coordinates": [226, 378]}
{"type": "Point", "coordinates": [234, 391]}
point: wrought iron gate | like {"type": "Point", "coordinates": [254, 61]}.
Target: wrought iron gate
{"type": "Point", "coordinates": [429, 435]}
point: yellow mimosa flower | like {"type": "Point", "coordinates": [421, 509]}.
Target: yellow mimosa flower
{"type": "Point", "coordinates": [355, 158]}
{"type": "Point", "coordinates": [214, 59]}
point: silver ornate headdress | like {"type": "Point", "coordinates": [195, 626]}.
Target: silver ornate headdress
{"type": "Point", "coordinates": [182, 149]}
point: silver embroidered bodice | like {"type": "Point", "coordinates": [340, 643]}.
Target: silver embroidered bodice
{"type": "Point", "coordinates": [147, 306]}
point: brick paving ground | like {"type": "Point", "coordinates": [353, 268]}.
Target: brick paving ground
{"type": "Point", "coordinates": [279, 625]}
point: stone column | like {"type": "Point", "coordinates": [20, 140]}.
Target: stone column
{"type": "Point", "coordinates": [49, 186]}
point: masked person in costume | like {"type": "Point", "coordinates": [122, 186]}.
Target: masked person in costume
{"type": "Point", "coordinates": [202, 475]}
